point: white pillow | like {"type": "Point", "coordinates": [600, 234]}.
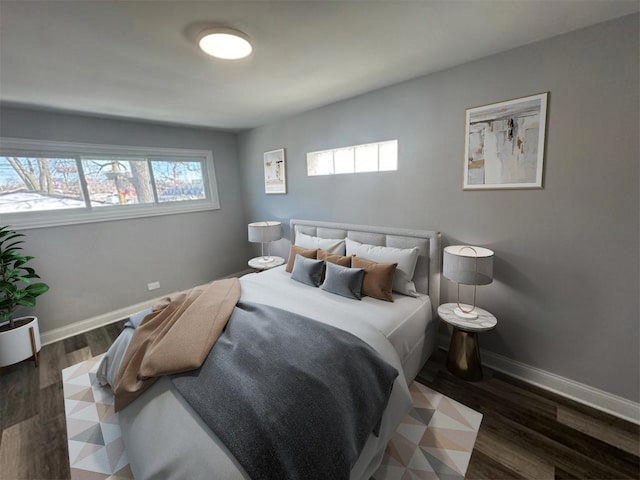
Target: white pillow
{"type": "Point", "coordinates": [406, 258]}
{"type": "Point", "coordinates": [332, 245]}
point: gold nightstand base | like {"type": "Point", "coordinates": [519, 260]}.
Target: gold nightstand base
{"type": "Point", "coordinates": [464, 356]}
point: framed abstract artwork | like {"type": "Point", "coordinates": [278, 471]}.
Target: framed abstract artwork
{"type": "Point", "coordinates": [275, 179]}
{"type": "Point", "coordinates": [504, 144]}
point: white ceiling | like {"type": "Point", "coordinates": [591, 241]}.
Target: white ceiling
{"type": "Point", "coordinates": [138, 59]}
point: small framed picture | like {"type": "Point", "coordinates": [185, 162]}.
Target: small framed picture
{"type": "Point", "coordinates": [504, 144]}
{"type": "Point", "coordinates": [275, 177]}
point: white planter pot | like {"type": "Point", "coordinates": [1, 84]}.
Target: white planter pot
{"type": "Point", "coordinates": [15, 344]}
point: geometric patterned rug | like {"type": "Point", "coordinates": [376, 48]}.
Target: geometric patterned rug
{"type": "Point", "coordinates": [434, 441]}
{"type": "Point", "coordinates": [96, 450]}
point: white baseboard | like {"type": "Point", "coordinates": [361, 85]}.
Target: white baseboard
{"type": "Point", "coordinates": [580, 392]}
{"type": "Point", "coordinates": [57, 334]}
{"type": "Point", "coordinates": [76, 328]}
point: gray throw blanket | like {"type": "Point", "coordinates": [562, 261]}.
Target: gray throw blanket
{"type": "Point", "coordinates": [290, 397]}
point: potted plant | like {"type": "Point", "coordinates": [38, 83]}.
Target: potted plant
{"type": "Point", "coordinates": [19, 337]}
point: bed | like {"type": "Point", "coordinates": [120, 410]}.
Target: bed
{"type": "Point", "coordinates": [166, 438]}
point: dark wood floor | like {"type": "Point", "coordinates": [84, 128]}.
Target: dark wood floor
{"type": "Point", "coordinates": [33, 444]}
{"type": "Point", "coordinates": [526, 432]}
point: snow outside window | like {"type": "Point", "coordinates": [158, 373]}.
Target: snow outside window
{"type": "Point", "coordinates": [58, 183]}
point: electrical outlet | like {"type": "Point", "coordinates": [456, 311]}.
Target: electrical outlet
{"type": "Point", "coordinates": [153, 286]}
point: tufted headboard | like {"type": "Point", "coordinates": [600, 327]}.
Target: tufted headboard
{"type": "Point", "coordinates": [428, 269]}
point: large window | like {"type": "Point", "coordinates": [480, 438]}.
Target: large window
{"type": "Point", "coordinates": [56, 183]}
{"type": "Point", "coordinates": [371, 157]}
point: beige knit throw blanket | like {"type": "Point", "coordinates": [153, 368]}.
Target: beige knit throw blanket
{"type": "Point", "coordinates": [175, 337]}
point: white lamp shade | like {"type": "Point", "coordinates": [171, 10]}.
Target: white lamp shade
{"type": "Point", "coordinates": [262, 232]}
{"type": "Point", "coordinates": [468, 265]}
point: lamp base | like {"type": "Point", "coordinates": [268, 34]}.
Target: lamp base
{"type": "Point", "coordinates": [266, 260]}
{"type": "Point", "coordinates": [467, 316]}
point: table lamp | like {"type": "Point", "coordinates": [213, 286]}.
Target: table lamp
{"type": "Point", "coordinates": [264, 232]}
{"type": "Point", "coordinates": [469, 266]}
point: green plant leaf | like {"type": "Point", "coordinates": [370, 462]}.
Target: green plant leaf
{"type": "Point", "coordinates": [31, 275]}
{"type": "Point", "coordinates": [14, 256]}
{"type": "Point", "coordinates": [4, 316]}
{"type": "Point", "coordinates": [6, 303]}
{"type": "Point", "coordinates": [11, 254]}
{"type": "Point", "coordinates": [9, 236]}
{"type": "Point", "coordinates": [27, 301]}
{"type": "Point", "coordinates": [36, 289]}
{"type": "Point", "coordinates": [12, 276]}
{"type": "Point", "coordinates": [13, 245]}
{"type": "Point", "coordinates": [21, 260]}
{"type": "Point", "coordinates": [7, 288]}
{"type": "Point", "coordinates": [19, 293]}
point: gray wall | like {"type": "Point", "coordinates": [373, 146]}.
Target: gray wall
{"type": "Point", "coordinates": [99, 267]}
{"type": "Point", "coordinates": [566, 269]}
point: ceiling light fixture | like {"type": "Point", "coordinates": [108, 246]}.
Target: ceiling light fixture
{"type": "Point", "coordinates": [225, 43]}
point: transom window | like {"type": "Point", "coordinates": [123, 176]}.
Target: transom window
{"type": "Point", "coordinates": [57, 183]}
{"type": "Point", "coordinates": [370, 157]}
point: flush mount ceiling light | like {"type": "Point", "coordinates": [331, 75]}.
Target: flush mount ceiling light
{"type": "Point", "coordinates": [225, 43]}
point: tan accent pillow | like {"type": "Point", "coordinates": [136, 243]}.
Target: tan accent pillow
{"type": "Point", "coordinates": [332, 258]}
{"type": "Point", "coordinates": [305, 252]}
{"type": "Point", "coordinates": [378, 278]}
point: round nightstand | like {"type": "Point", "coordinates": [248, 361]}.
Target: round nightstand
{"type": "Point", "coordinates": [261, 265]}
{"type": "Point", "coordinates": [464, 349]}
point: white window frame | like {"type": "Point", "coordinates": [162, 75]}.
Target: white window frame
{"type": "Point", "coordinates": [333, 151]}
{"type": "Point", "coordinates": [53, 218]}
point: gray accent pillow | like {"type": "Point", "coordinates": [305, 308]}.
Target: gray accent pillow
{"type": "Point", "coordinates": [343, 281]}
{"type": "Point", "coordinates": [307, 270]}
